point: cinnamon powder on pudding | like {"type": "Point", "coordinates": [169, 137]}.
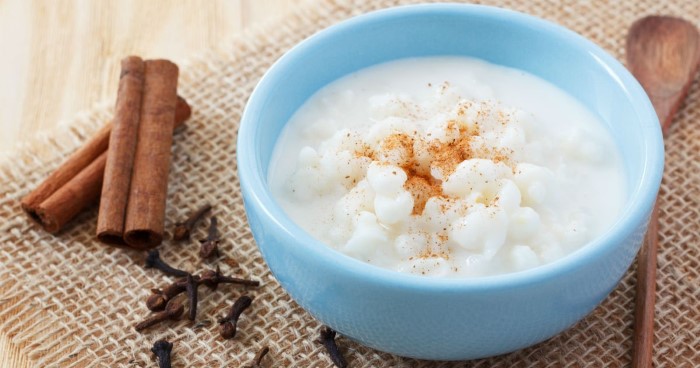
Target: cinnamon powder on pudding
{"type": "Point", "coordinates": [403, 150]}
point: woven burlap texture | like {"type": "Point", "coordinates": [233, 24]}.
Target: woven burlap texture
{"type": "Point", "coordinates": [70, 301]}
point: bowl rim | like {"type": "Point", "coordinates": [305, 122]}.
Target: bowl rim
{"type": "Point", "coordinates": [634, 214]}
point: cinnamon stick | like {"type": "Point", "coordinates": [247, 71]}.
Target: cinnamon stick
{"type": "Point", "coordinates": [67, 171]}
{"type": "Point", "coordinates": [78, 193]}
{"type": "Point", "coordinates": [145, 211]}
{"type": "Point", "coordinates": [120, 154]}
{"type": "Point", "coordinates": [52, 214]}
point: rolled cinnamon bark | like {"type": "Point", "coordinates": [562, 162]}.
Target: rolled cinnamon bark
{"type": "Point", "coordinates": [71, 198]}
{"type": "Point", "coordinates": [120, 154]}
{"type": "Point", "coordinates": [52, 214]}
{"type": "Point", "coordinates": [145, 212]}
{"type": "Point", "coordinates": [78, 161]}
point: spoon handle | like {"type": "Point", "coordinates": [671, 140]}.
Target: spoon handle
{"type": "Point", "coordinates": [646, 296]}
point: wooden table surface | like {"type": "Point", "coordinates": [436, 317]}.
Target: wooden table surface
{"type": "Point", "coordinates": [60, 57]}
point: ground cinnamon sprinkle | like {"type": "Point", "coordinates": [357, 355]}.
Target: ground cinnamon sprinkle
{"type": "Point", "coordinates": [446, 156]}
{"type": "Point", "coordinates": [365, 151]}
{"type": "Point", "coordinates": [421, 188]}
{"type": "Point", "coordinates": [403, 149]}
{"type": "Point", "coordinates": [503, 155]}
{"type": "Point", "coordinates": [428, 253]}
{"type": "Point", "coordinates": [400, 143]}
{"type": "Point", "coordinates": [435, 250]}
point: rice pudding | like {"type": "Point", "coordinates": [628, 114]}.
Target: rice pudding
{"type": "Point", "coordinates": [448, 167]}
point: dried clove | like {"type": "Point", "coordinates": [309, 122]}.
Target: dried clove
{"type": "Point", "coordinates": [210, 245]}
{"type": "Point", "coordinates": [212, 279]}
{"type": "Point", "coordinates": [160, 297]}
{"type": "Point", "coordinates": [191, 287]}
{"type": "Point", "coordinates": [162, 349]}
{"type": "Point", "coordinates": [257, 360]}
{"type": "Point", "coordinates": [228, 323]}
{"type": "Point", "coordinates": [173, 311]}
{"type": "Point", "coordinates": [328, 340]}
{"type": "Point", "coordinates": [183, 229]}
{"type": "Point", "coordinates": [153, 260]}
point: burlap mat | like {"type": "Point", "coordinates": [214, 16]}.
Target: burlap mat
{"type": "Point", "coordinates": [73, 302]}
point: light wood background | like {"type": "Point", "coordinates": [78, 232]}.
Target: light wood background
{"type": "Point", "coordinates": [59, 57]}
{"type": "Point", "coordinates": [62, 56]}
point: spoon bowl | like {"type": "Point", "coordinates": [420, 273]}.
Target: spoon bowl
{"type": "Point", "coordinates": [663, 53]}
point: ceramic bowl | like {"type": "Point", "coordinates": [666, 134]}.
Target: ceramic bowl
{"type": "Point", "coordinates": [449, 319]}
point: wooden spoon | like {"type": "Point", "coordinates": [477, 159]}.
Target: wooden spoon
{"type": "Point", "coordinates": [663, 53]}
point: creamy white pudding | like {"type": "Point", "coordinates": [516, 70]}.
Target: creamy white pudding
{"type": "Point", "coordinates": [448, 166]}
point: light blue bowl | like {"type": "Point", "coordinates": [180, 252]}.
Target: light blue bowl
{"type": "Point", "coordinates": [449, 319]}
